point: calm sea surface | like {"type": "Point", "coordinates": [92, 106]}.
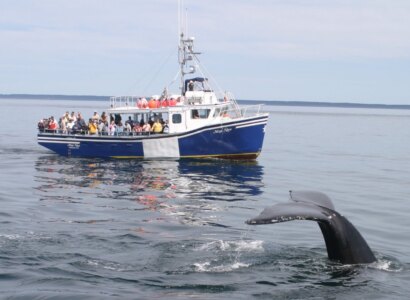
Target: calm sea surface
{"type": "Point", "coordinates": [174, 229]}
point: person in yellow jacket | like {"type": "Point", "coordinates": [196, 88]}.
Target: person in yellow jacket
{"type": "Point", "coordinates": [92, 126]}
{"type": "Point", "coordinates": [156, 127]}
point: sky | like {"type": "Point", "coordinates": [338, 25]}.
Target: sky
{"type": "Point", "coordinates": [291, 50]}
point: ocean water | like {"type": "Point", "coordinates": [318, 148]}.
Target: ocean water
{"type": "Point", "coordinates": [174, 229]}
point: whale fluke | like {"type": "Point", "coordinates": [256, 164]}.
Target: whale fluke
{"type": "Point", "coordinates": [343, 242]}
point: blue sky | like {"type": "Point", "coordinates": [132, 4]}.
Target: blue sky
{"type": "Point", "coordinates": [317, 50]}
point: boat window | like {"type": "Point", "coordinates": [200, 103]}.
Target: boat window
{"type": "Point", "coordinates": [217, 112]}
{"type": "Point", "coordinates": [200, 113]}
{"type": "Point", "coordinates": [176, 118]}
{"type": "Point", "coordinates": [224, 111]}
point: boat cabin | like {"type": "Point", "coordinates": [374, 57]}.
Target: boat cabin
{"type": "Point", "coordinates": [198, 91]}
{"type": "Point", "coordinates": [197, 107]}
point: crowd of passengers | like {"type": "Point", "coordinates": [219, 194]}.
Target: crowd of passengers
{"type": "Point", "coordinates": [104, 125]}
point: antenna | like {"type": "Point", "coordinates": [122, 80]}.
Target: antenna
{"type": "Point", "coordinates": [182, 20]}
{"type": "Point", "coordinates": [179, 18]}
{"type": "Point", "coordinates": [186, 54]}
{"type": "Point", "coordinates": [186, 21]}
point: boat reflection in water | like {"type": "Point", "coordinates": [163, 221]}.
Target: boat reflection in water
{"type": "Point", "coordinates": [186, 190]}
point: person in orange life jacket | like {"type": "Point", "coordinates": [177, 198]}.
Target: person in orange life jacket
{"type": "Point", "coordinates": [52, 125]}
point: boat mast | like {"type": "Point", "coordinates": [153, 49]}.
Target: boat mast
{"type": "Point", "coordinates": [185, 49]}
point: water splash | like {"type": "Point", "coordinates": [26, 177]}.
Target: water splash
{"type": "Point", "coordinates": [241, 245]}
{"type": "Point", "coordinates": [228, 255]}
{"type": "Point", "coordinates": [387, 265]}
{"type": "Point", "coordinates": [210, 266]}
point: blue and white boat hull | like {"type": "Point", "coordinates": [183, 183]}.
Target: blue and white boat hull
{"type": "Point", "coordinates": [239, 139]}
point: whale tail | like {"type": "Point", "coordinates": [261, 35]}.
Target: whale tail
{"type": "Point", "coordinates": [343, 242]}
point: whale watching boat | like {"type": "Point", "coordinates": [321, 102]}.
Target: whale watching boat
{"type": "Point", "coordinates": [196, 122]}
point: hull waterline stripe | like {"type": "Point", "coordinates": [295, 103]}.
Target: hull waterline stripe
{"type": "Point", "coordinates": [127, 157]}
{"type": "Point", "coordinates": [253, 124]}
{"type": "Point", "coordinates": [58, 142]}
{"type": "Point", "coordinates": [195, 156]}
{"type": "Point", "coordinates": [220, 155]}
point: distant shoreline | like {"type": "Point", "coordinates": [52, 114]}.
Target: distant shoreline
{"type": "Point", "coordinates": [245, 102]}
{"type": "Point", "coordinates": [326, 104]}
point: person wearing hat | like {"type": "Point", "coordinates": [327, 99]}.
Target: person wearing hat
{"type": "Point", "coordinates": [191, 85]}
{"type": "Point", "coordinates": [66, 116]}
{"type": "Point", "coordinates": [71, 121]}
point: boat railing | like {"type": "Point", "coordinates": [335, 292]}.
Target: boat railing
{"type": "Point", "coordinates": [251, 110]}
{"type": "Point", "coordinates": [235, 112]}
{"type": "Point", "coordinates": [86, 133]}
{"type": "Point", "coordinates": [239, 111]}
{"type": "Point", "coordinates": [243, 112]}
{"type": "Point", "coordinates": [123, 101]}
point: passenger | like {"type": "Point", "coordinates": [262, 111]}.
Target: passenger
{"type": "Point", "coordinates": [73, 117]}
{"type": "Point", "coordinates": [195, 114]}
{"type": "Point", "coordinates": [52, 124]}
{"type": "Point", "coordinates": [92, 126]}
{"type": "Point", "coordinates": [224, 114]}
{"type": "Point", "coordinates": [150, 122]}
{"type": "Point", "coordinates": [96, 116]}
{"type": "Point", "coordinates": [146, 127]}
{"type": "Point", "coordinates": [80, 124]}
{"type": "Point", "coordinates": [190, 85]}
{"type": "Point", "coordinates": [41, 125]}
{"type": "Point", "coordinates": [104, 118]}
{"type": "Point", "coordinates": [66, 116]}
{"type": "Point", "coordinates": [62, 126]}
{"type": "Point", "coordinates": [128, 127]}
{"type": "Point", "coordinates": [165, 128]}
{"type": "Point", "coordinates": [45, 122]}
{"type": "Point", "coordinates": [157, 126]}
{"type": "Point", "coordinates": [102, 128]}
{"type": "Point", "coordinates": [112, 128]}
{"type": "Point", "coordinates": [120, 128]}
{"type": "Point", "coordinates": [137, 128]}
{"type": "Point", "coordinates": [71, 121]}
{"type": "Point", "coordinates": [130, 122]}
{"type": "Point", "coordinates": [117, 119]}
{"type": "Point", "coordinates": [104, 123]}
